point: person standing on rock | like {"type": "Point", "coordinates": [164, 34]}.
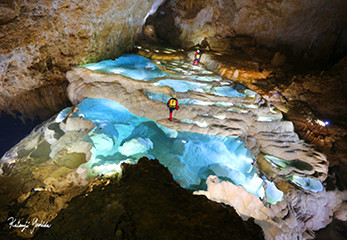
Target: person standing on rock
{"type": "Point", "coordinates": [172, 104]}
{"type": "Point", "coordinates": [197, 57]}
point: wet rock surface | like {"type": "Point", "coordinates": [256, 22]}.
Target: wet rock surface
{"type": "Point", "coordinates": [233, 69]}
{"type": "Point", "coordinates": [33, 81]}
{"type": "Point", "coordinates": [263, 131]}
{"type": "Point", "coordinates": [309, 98]}
{"type": "Point", "coordinates": [147, 204]}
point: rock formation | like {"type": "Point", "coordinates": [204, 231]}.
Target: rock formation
{"type": "Point", "coordinates": [268, 46]}
{"type": "Point", "coordinates": [147, 204]}
{"type": "Point", "coordinates": [312, 28]}
{"type": "Point", "coordinates": [41, 40]}
{"type": "Point", "coordinates": [260, 128]}
{"type": "Point", "coordinates": [68, 148]}
{"type": "Point", "coordinates": [48, 169]}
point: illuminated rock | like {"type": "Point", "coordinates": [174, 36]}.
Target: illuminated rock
{"type": "Point", "coordinates": [263, 124]}
{"type": "Point", "coordinates": [260, 126]}
{"type": "Point", "coordinates": [292, 218]}
{"type": "Point", "coordinates": [225, 134]}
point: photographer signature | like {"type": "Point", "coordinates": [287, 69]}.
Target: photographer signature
{"type": "Point", "coordinates": [31, 225]}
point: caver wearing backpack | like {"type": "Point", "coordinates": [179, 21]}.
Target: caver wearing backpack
{"type": "Point", "coordinates": [172, 104]}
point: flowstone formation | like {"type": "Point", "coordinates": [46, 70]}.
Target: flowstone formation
{"type": "Point", "coordinates": [225, 142]}
{"type": "Point", "coordinates": [60, 159]}
{"type": "Point", "coordinates": [42, 39]}
{"type": "Point", "coordinates": [224, 109]}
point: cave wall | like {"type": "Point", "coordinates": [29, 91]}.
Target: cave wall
{"type": "Point", "coordinates": [313, 29]}
{"type": "Point", "coordinates": [42, 39]}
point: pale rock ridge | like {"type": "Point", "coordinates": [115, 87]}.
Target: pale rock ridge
{"type": "Point", "coordinates": [296, 217]}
